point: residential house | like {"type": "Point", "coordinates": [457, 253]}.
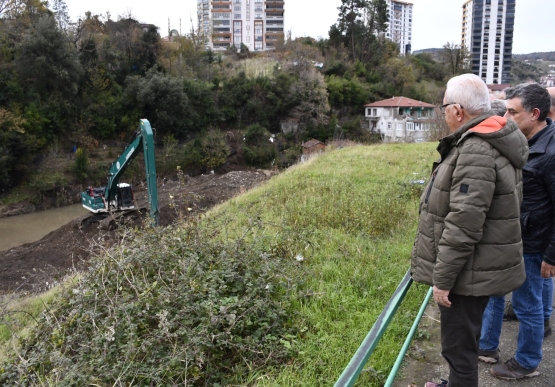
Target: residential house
{"type": "Point", "coordinates": [497, 89]}
{"type": "Point", "coordinates": [400, 119]}
{"type": "Point", "coordinates": [313, 146]}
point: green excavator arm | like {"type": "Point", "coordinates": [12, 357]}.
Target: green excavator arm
{"type": "Point", "coordinates": [142, 140]}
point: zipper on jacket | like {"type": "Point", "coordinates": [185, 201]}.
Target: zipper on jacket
{"type": "Point", "coordinates": [430, 187]}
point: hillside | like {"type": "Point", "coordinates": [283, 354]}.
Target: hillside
{"type": "Point", "coordinates": [549, 56]}
{"type": "Point", "coordinates": [323, 246]}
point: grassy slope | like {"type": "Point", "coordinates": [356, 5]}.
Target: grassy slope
{"type": "Point", "coordinates": [352, 214]}
{"type": "Point", "coordinates": [358, 211]}
{"type": "Point", "coordinates": [18, 315]}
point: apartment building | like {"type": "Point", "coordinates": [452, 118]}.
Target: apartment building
{"type": "Point", "coordinates": [399, 28]}
{"type": "Point", "coordinates": [258, 24]}
{"type": "Point", "coordinates": [487, 34]}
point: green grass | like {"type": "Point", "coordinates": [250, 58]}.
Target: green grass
{"type": "Point", "coordinates": [18, 316]}
{"type": "Point", "coordinates": [356, 212]}
{"type": "Point", "coordinates": [351, 214]}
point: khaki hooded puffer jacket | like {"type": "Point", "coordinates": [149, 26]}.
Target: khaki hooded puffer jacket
{"type": "Point", "coordinates": [468, 239]}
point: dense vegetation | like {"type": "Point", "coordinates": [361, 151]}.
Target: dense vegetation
{"type": "Point", "coordinates": [84, 84]}
{"type": "Point", "coordinates": [277, 287]}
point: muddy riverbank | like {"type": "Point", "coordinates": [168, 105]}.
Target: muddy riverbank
{"type": "Point", "coordinates": [37, 266]}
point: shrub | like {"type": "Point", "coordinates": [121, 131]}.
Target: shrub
{"type": "Point", "coordinates": [208, 150]}
{"type": "Point", "coordinates": [47, 185]}
{"type": "Point", "coordinates": [176, 307]}
{"type": "Point", "coordinates": [81, 166]}
{"type": "Point", "coordinates": [258, 149]}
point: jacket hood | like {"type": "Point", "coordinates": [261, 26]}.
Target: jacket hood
{"type": "Point", "coordinates": [500, 133]}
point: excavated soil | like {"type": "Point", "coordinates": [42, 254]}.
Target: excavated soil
{"type": "Point", "coordinates": [37, 266]}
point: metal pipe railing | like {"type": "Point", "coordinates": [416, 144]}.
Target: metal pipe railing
{"type": "Point", "coordinates": [404, 349]}
{"type": "Point", "coordinates": [359, 360]}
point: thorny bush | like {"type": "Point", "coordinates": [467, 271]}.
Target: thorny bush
{"type": "Point", "coordinates": [179, 306]}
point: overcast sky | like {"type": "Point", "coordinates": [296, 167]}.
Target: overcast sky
{"type": "Point", "coordinates": [434, 23]}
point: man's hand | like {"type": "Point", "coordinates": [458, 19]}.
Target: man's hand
{"type": "Point", "coordinates": [547, 270]}
{"type": "Point", "coordinates": [442, 296]}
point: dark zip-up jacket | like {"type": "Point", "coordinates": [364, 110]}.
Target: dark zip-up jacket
{"type": "Point", "coordinates": [468, 239]}
{"type": "Point", "coordinates": [537, 217]}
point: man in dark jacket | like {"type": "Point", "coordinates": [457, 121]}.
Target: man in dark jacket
{"type": "Point", "coordinates": [528, 105]}
{"type": "Point", "coordinates": [468, 245]}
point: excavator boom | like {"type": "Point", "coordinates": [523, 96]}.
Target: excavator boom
{"type": "Point", "coordinates": [116, 196]}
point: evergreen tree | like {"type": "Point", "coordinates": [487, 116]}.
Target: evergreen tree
{"type": "Point", "coordinates": [47, 62]}
{"type": "Point", "coordinates": [350, 14]}
{"type": "Point", "coordinates": [360, 28]}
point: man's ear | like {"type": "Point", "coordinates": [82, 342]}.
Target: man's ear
{"type": "Point", "coordinates": [460, 113]}
{"type": "Point", "coordinates": [535, 114]}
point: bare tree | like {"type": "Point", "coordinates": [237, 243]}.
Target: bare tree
{"type": "Point", "coordinates": [5, 5]}
{"type": "Point", "coordinates": [62, 14]}
{"type": "Point", "coordinates": [455, 57]}
{"type": "Point", "coordinates": [438, 126]}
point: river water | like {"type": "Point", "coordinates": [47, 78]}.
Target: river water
{"type": "Point", "coordinates": [18, 230]}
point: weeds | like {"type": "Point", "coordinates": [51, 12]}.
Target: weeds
{"type": "Point", "coordinates": [177, 306]}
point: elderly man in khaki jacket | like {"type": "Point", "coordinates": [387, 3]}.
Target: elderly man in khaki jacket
{"type": "Point", "coordinates": [468, 245]}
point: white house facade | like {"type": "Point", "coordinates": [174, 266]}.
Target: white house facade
{"type": "Point", "coordinates": [400, 119]}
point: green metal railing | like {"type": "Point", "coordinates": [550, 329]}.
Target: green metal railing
{"type": "Point", "coordinates": [359, 360]}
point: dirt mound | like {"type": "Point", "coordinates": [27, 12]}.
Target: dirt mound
{"type": "Point", "coordinates": [40, 265]}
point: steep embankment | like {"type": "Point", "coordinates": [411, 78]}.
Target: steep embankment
{"type": "Point", "coordinates": [276, 287]}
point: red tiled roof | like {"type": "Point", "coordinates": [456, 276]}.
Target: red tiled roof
{"type": "Point", "coordinates": [400, 102]}
{"type": "Point", "coordinates": [311, 143]}
{"type": "Point", "coordinates": [501, 86]}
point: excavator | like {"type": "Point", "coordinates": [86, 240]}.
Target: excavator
{"type": "Point", "coordinates": [114, 200]}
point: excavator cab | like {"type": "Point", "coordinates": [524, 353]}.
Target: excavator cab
{"type": "Point", "coordinates": [116, 196]}
{"type": "Point", "coordinates": [124, 197]}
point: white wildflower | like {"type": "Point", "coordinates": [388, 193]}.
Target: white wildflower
{"type": "Point", "coordinates": [299, 258]}
{"type": "Point", "coordinates": [110, 334]}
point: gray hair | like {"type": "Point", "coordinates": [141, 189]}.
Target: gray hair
{"type": "Point", "coordinates": [533, 96]}
{"type": "Point", "coordinates": [469, 91]}
{"type": "Point", "coordinates": [499, 107]}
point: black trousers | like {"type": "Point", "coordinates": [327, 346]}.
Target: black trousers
{"type": "Point", "coordinates": [460, 333]}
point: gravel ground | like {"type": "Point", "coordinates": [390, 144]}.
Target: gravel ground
{"type": "Point", "coordinates": [424, 361]}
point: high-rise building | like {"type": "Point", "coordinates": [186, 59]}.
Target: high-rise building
{"type": "Point", "coordinates": [258, 24]}
{"type": "Point", "coordinates": [487, 34]}
{"type": "Point", "coordinates": [399, 29]}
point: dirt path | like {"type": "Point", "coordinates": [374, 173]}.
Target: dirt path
{"type": "Point", "coordinates": [424, 362]}
{"type": "Point", "coordinates": [40, 265]}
